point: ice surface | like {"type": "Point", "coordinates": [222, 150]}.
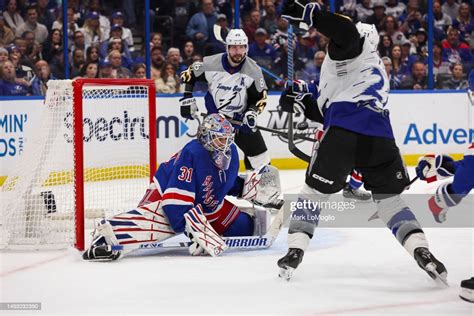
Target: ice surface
{"type": "Point", "coordinates": [346, 271]}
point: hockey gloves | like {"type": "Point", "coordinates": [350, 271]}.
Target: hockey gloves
{"type": "Point", "coordinates": [189, 107]}
{"type": "Point", "coordinates": [299, 11]}
{"type": "Point", "coordinates": [442, 200]}
{"type": "Point", "coordinates": [249, 122]}
{"type": "Point", "coordinates": [203, 236]}
{"type": "Point", "coordinates": [434, 167]}
{"type": "Point", "coordinates": [296, 94]}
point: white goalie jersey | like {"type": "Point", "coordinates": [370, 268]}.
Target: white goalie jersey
{"type": "Point", "coordinates": [231, 90]}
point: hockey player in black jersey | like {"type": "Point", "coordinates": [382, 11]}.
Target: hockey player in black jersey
{"type": "Point", "coordinates": [350, 100]}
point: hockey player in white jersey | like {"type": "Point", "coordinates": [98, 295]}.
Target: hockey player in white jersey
{"type": "Point", "coordinates": [237, 89]}
{"type": "Point", "coordinates": [353, 91]}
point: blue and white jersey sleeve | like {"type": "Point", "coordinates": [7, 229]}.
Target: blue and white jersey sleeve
{"type": "Point", "coordinates": [464, 177]}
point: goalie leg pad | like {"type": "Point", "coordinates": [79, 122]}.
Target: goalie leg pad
{"type": "Point", "coordinates": [203, 236]}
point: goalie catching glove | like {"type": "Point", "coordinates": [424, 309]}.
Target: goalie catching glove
{"type": "Point", "coordinates": [434, 167]}
{"type": "Point", "coordinates": [203, 237]}
{"type": "Point", "coordinates": [262, 186]}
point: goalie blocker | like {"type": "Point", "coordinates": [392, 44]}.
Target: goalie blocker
{"type": "Point", "coordinates": [187, 195]}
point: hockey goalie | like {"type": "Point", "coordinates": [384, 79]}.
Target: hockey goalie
{"type": "Point", "coordinates": [188, 195]}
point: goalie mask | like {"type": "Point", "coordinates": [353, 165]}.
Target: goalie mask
{"type": "Point", "coordinates": [217, 135]}
{"type": "Point", "coordinates": [236, 44]}
{"type": "Point", "coordinates": [369, 32]}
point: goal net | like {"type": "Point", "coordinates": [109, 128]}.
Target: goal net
{"type": "Point", "coordinates": [92, 157]}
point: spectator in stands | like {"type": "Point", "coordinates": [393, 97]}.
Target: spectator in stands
{"type": "Point", "coordinates": [52, 44]}
{"type": "Point", "coordinates": [156, 40]}
{"type": "Point", "coordinates": [201, 24]}
{"type": "Point", "coordinates": [364, 10]}
{"type": "Point", "coordinates": [71, 20]}
{"type": "Point", "coordinates": [385, 46]}
{"type": "Point", "coordinates": [116, 43]}
{"type": "Point", "coordinates": [12, 16]}
{"type": "Point", "coordinates": [323, 42]}
{"type": "Point", "coordinates": [6, 34]}
{"type": "Point", "coordinates": [117, 21]}
{"type": "Point", "coordinates": [173, 56]}
{"type": "Point", "coordinates": [313, 70]}
{"type": "Point", "coordinates": [451, 8]}
{"type": "Point", "coordinates": [3, 54]}
{"type": "Point", "coordinates": [394, 8]}
{"type": "Point", "coordinates": [105, 69]}
{"type": "Point", "coordinates": [412, 20]}
{"type": "Point", "coordinates": [465, 24]}
{"type": "Point", "coordinates": [118, 71]}
{"type": "Point", "coordinates": [390, 28]}
{"type": "Point", "coordinates": [90, 70]}
{"type": "Point", "coordinates": [9, 85]}
{"type": "Point", "coordinates": [139, 71]}
{"type": "Point", "coordinates": [22, 70]}
{"type": "Point", "coordinates": [45, 16]}
{"type": "Point", "coordinates": [304, 51]}
{"type": "Point", "coordinates": [57, 64]}
{"type": "Point", "coordinates": [378, 16]}
{"type": "Point", "coordinates": [31, 24]}
{"type": "Point", "coordinates": [77, 62]}
{"type": "Point", "coordinates": [454, 50]}
{"type": "Point", "coordinates": [399, 67]}
{"type": "Point", "coordinates": [264, 54]}
{"type": "Point", "coordinates": [91, 29]}
{"type": "Point", "coordinates": [79, 41]}
{"type": "Point", "coordinates": [441, 66]}
{"type": "Point", "coordinates": [421, 44]}
{"type": "Point", "coordinates": [394, 80]}
{"type": "Point", "coordinates": [169, 80]}
{"type": "Point", "coordinates": [104, 23]}
{"type": "Point", "coordinates": [157, 60]}
{"type": "Point", "coordinates": [441, 20]}
{"type": "Point", "coordinates": [34, 50]}
{"type": "Point", "coordinates": [417, 80]}
{"type": "Point", "coordinates": [213, 45]}
{"type": "Point", "coordinates": [254, 22]}
{"type": "Point", "coordinates": [270, 20]}
{"type": "Point", "coordinates": [92, 54]}
{"type": "Point", "coordinates": [457, 80]}
{"type": "Point", "coordinates": [42, 75]}
{"type": "Point", "coordinates": [188, 52]}
{"type": "Point", "coordinates": [20, 44]}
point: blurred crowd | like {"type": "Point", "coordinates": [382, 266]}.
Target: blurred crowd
{"type": "Point", "coordinates": [106, 40]}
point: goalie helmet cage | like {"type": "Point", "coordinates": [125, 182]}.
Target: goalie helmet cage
{"type": "Point", "coordinates": [93, 155]}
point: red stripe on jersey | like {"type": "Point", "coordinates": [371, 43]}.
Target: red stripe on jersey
{"type": "Point", "coordinates": [435, 209]}
{"type": "Point", "coordinates": [356, 176]}
{"type": "Point", "coordinates": [178, 196]}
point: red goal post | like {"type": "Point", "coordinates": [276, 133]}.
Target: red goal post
{"type": "Point", "coordinates": [78, 85]}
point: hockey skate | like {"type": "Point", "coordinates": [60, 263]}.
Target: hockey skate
{"type": "Point", "coordinates": [101, 253]}
{"type": "Point", "coordinates": [290, 262]}
{"type": "Point", "coordinates": [358, 195]}
{"type": "Point", "coordinates": [467, 290]}
{"type": "Point", "coordinates": [431, 265]}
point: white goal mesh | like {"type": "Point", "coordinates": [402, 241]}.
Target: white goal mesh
{"type": "Point", "coordinates": [40, 197]}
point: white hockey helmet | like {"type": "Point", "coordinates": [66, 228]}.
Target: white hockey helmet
{"type": "Point", "coordinates": [236, 37]}
{"type": "Point", "coordinates": [369, 32]}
